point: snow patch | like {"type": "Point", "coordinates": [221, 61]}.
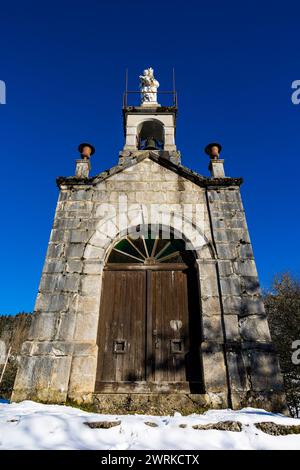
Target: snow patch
{"type": "Point", "coordinates": [30, 425]}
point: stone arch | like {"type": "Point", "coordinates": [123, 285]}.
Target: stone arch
{"type": "Point", "coordinates": [150, 129]}
{"type": "Point", "coordinates": [108, 232]}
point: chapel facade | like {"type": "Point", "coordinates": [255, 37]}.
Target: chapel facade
{"type": "Point", "coordinates": [149, 297]}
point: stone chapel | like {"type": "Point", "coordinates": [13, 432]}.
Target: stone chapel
{"type": "Point", "coordinates": [149, 298]}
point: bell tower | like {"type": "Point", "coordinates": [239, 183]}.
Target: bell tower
{"type": "Point", "coordinates": [150, 126]}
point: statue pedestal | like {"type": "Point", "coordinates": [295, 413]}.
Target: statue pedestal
{"type": "Point", "coordinates": [150, 104]}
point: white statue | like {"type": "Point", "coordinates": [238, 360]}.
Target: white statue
{"type": "Point", "coordinates": [148, 87]}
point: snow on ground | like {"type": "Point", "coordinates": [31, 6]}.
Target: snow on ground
{"type": "Point", "coordinates": [30, 425]}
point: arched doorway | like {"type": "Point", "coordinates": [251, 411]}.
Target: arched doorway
{"type": "Point", "coordinates": [149, 331]}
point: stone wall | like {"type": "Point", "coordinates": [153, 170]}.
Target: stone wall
{"type": "Point", "coordinates": [59, 358]}
{"type": "Point", "coordinates": [252, 365]}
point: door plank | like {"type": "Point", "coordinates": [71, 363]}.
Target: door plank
{"type": "Point", "coordinates": [122, 319]}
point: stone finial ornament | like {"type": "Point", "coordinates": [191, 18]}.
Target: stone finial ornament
{"type": "Point", "coordinates": [213, 150]}
{"type": "Point", "coordinates": [86, 150]}
{"type": "Point", "coordinates": [83, 165]}
{"type": "Point", "coordinates": [216, 165]}
{"type": "Point", "coordinates": [148, 87]}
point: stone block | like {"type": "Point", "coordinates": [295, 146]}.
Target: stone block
{"type": "Point", "coordinates": [218, 223]}
{"type": "Point", "coordinates": [79, 215]}
{"type": "Point", "coordinates": [225, 268]}
{"type": "Point", "coordinates": [76, 206]}
{"type": "Point", "coordinates": [80, 236]}
{"type": "Point", "coordinates": [83, 374]}
{"type": "Point", "coordinates": [215, 372]}
{"type": "Point", "coordinates": [59, 282]}
{"type": "Point", "coordinates": [52, 348]}
{"type": "Point", "coordinates": [55, 250]}
{"type": "Point", "coordinates": [43, 326]}
{"type": "Point", "coordinates": [252, 306]}
{"type": "Point", "coordinates": [233, 195]}
{"type": "Point", "coordinates": [215, 195]}
{"type": "Point", "coordinates": [66, 223]}
{"type": "Point", "coordinates": [254, 328]}
{"type": "Point", "coordinates": [230, 285]}
{"type": "Point", "coordinates": [100, 239]}
{"type": "Point", "coordinates": [232, 305]}
{"type": "Point", "coordinates": [237, 372]}
{"type": "Point", "coordinates": [212, 328]}
{"type": "Point", "coordinates": [64, 195]}
{"type": "Point", "coordinates": [210, 306]}
{"type": "Point", "coordinates": [250, 285]}
{"type": "Point", "coordinates": [74, 266]}
{"type": "Point", "coordinates": [207, 269]}
{"type": "Point", "coordinates": [244, 250]}
{"type": "Point", "coordinates": [100, 196]}
{"type": "Point", "coordinates": [25, 374]}
{"type": "Point", "coordinates": [245, 267]}
{"type": "Point", "coordinates": [59, 379]}
{"type": "Point", "coordinates": [65, 327]}
{"type": "Point", "coordinates": [42, 372]}
{"type": "Point", "coordinates": [230, 235]}
{"type": "Point", "coordinates": [265, 372]}
{"type": "Point", "coordinates": [42, 302]}
{"type": "Point", "coordinates": [94, 267]}
{"type": "Point", "coordinates": [227, 250]}
{"type": "Point", "coordinates": [236, 223]}
{"type": "Point", "coordinates": [59, 236]}
{"type": "Point", "coordinates": [75, 250]}
{"type": "Point", "coordinates": [221, 235]}
{"type": "Point", "coordinates": [88, 304]}
{"type": "Point", "coordinates": [91, 284]}
{"type": "Point", "coordinates": [232, 327]}
{"type": "Point", "coordinates": [85, 349]}
{"type": "Point", "coordinates": [26, 349]}
{"type": "Point", "coordinates": [81, 194]}
{"type": "Point", "coordinates": [209, 287]}
{"type": "Point", "coordinates": [49, 282]}
{"type": "Point", "coordinates": [86, 328]}
{"type": "Point", "coordinates": [70, 282]}
{"type": "Point", "coordinates": [51, 302]}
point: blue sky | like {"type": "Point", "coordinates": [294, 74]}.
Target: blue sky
{"type": "Point", "coordinates": [64, 63]}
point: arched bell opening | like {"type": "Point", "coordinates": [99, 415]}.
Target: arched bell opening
{"type": "Point", "coordinates": [150, 329]}
{"type": "Point", "coordinates": [150, 135]}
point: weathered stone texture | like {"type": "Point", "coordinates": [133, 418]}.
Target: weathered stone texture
{"type": "Point", "coordinates": [59, 358]}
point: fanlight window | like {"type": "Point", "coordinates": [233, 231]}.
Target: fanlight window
{"type": "Point", "coordinates": [150, 250]}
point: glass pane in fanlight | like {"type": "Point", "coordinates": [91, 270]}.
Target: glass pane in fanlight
{"type": "Point", "coordinates": [177, 258]}
{"type": "Point", "coordinates": [140, 246]}
{"type": "Point", "coordinates": [169, 249]}
{"type": "Point", "coordinates": [150, 244]}
{"type": "Point", "coordinates": [178, 244]}
{"type": "Point", "coordinates": [116, 257]}
{"type": "Point", "coordinates": [125, 246]}
{"type": "Point", "coordinates": [160, 245]}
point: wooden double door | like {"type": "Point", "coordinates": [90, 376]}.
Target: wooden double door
{"type": "Point", "coordinates": [149, 331]}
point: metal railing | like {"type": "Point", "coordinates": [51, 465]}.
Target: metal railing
{"type": "Point", "coordinates": [173, 94]}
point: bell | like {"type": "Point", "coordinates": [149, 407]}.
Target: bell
{"type": "Point", "coordinates": [150, 144]}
